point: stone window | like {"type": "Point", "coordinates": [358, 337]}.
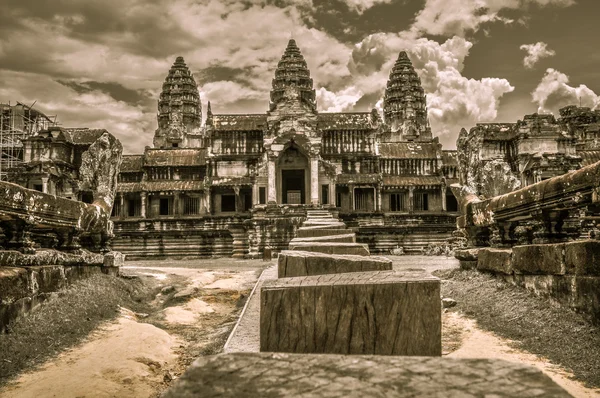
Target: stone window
{"type": "Point", "coordinates": [227, 203]}
{"type": "Point", "coordinates": [38, 187]}
{"type": "Point", "coordinates": [397, 202]}
{"type": "Point", "coordinates": [191, 206]}
{"type": "Point", "coordinates": [364, 199]}
{"type": "Point", "coordinates": [262, 195]}
{"type": "Point", "coordinates": [421, 201]}
{"type": "Point", "coordinates": [325, 194]}
{"type": "Point", "coordinates": [134, 208]}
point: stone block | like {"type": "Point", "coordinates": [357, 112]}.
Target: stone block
{"type": "Point", "coordinates": [345, 238]}
{"type": "Point", "coordinates": [114, 259]}
{"type": "Point", "coordinates": [539, 259]}
{"type": "Point", "coordinates": [495, 260]}
{"type": "Point", "coordinates": [337, 376]}
{"type": "Point", "coordinates": [302, 263]}
{"type": "Point", "coordinates": [583, 257]}
{"type": "Point", "coordinates": [358, 249]}
{"type": "Point", "coordinates": [380, 313]}
{"type": "Point", "coordinates": [467, 254]}
{"type": "Point", "coordinates": [464, 264]}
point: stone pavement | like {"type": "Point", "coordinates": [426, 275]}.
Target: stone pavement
{"type": "Point", "coordinates": [322, 375]}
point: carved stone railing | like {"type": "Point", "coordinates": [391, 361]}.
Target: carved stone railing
{"type": "Point", "coordinates": [28, 217]}
{"type": "Point", "coordinates": [559, 209]}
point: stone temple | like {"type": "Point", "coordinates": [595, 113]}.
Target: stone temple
{"type": "Point", "coordinates": [241, 183]}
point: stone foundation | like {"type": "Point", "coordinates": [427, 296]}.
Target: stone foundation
{"type": "Point", "coordinates": [381, 313]}
{"type": "Point", "coordinates": [356, 249]}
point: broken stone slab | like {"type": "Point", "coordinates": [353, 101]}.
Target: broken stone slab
{"type": "Point", "coordinates": [539, 259]}
{"type": "Point", "coordinates": [495, 260]}
{"type": "Point", "coordinates": [358, 249]}
{"type": "Point", "coordinates": [345, 238]}
{"type": "Point", "coordinates": [302, 263]}
{"type": "Point", "coordinates": [378, 312]}
{"type": "Point", "coordinates": [310, 233]}
{"type": "Point", "coordinates": [337, 376]}
{"type": "Point", "coordinates": [114, 259]}
{"type": "Point", "coordinates": [467, 254]}
{"type": "Point", "coordinates": [583, 257]}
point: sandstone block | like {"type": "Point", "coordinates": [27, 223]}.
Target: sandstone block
{"type": "Point", "coordinates": [381, 313]}
{"type": "Point", "coordinates": [314, 232]}
{"type": "Point", "coordinates": [583, 257]}
{"type": "Point", "coordinates": [495, 260]}
{"type": "Point", "coordinates": [467, 254]}
{"type": "Point", "coordinates": [332, 248]}
{"type": "Point", "coordinates": [539, 259]}
{"type": "Point", "coordinates": [337, 376]}
{"type": "Point", "coordinates": [114, 259]}
{"type": "Point", "coordinates": [303, 263]}
{"type": "Point", "coordinates": [345, 238]}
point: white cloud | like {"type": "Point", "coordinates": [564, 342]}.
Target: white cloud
{"type": "Point", "coordinates": [361, 6]}
{"type": "Point", "coordinates": [340, 101]}
{"type": "Point", "coordinates": [535, 52]}
{"type": "Point", "coordinates": [457, 17]}
{"type": "Point", "coordinates": [554, 92]}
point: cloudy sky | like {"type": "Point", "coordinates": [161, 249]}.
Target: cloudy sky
{"type": "Point", "coordinates": [101, 63]}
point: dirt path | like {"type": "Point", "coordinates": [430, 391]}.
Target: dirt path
{"type": "Point", "coordinates": [138, 355]}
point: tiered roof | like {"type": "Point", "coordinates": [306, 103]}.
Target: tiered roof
{"type": "Point", "coordinates": [292, 71]}
{"type": "Point", "coordinates": [179, 93]}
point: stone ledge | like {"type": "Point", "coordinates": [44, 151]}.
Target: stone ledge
{"type": "Point", "coordinates": [332, 248]}
{"type": "Point", "coordinates": [539, 259]}
{"type": "Point", "coordinates": [334, 238]}
{"type": "Point", "coordinates": [380, 312]}
{"type": "Point", "coordinates": [293, 375]}
{"type": "Point", "coordinates": [583, 257]}
{"type": "Point", "coordinates": [302, 263]}
{"type": "Point", "coordinates": [495, 260]}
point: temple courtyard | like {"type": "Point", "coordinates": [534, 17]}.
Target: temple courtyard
{"type": "Point", "coordinates": [189, 309]}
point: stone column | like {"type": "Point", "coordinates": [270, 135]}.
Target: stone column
{"type": "Point", "coordinates": [332, 194]}
{"type": "Point", "coordinates": [351, 190]}
{"type": "Point", "coordinates": [176, 203]}
{"type": "Point", "coordinates": [143, 198]}
{"type": "Point", "coordinates": [411, 204]}
{"type": "Point", "coordinates": [443, 192]}
{"type": "Point", "coordinates": [271, 191]}
{"type": "Point", "coordinates": [122, 202]}
{"type": "Point", "coordinates": [255, 195]}
{"type": "Point", "coordinates": [314, 180]}
{"type": "Point", "coordinates": [45, 184]}
{"type": "Point", "coordinates": [378, 198]}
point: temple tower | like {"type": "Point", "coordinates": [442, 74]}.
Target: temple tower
{"type": "Point", "coordinates": [179, 111]}
{"type": "Point", "coordinates": [404, 104]}
{"type": "Point", "coordinates": [292, 73]}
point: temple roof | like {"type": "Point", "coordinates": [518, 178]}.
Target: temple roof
{"type": "Point", "coordinates": [175, 157]}
{"type": "Point", "coordinates": [160, 186]}
{"type": "Point", "coordinates": [358, 178]}
{"type": "Point", "coordinates": [132, 163]}
{"type": "Point", "coordinates": [408, 150]}
{"type": "Point", "coordinates": [179, 93]}
{"type": "Point", "coordinates": [404, 96]}
{"type": "Point", "coordinates": [292, 71]}
{"type": "Point", "coordinates": [248, 122]}
{"type": "Point", "coordinates": [345, 121]}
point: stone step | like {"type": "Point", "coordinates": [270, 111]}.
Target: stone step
{"type": "Point", "coordinates": [323, 216]}
{"type": "Point", "coordinates": [312, 232]}
{"type": "Point", "coordinates": [373, 313]}
{"type": "Point", "coordinates": [321, 221]}
{"type": "Point", "coordinates": [332, 248]}
{"type": "Point", "coordinates": [337, 225]}
{"type": "Point", "coordinates": [292, 263]}
{"type": "Point", "coordinates": [346, 238]}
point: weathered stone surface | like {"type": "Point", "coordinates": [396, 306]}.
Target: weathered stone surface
{"type": "Point", "coordinates": [14, 258]}
{"type": "Point", "coordinates": [345, 238]}
{"type": "Point", "coordinates": [314, 232]}
{"type": "Point", "coordinates": [303, 263]}
{"type": "Point", "coordinates": [467, 264]}
{"type": "Point", "coordinates": [380, 312]}
{"type": "Point", "coordinates": [583, 257]}
{"type": "Point", "coordinates": [114, 259]}
{"type": "Point", "coordinates": [332, 248]}
{"type": "Point", "coordinates": [539, 259]}
{"type": "Point", "coordinates": [467, 254]}
{"type": "Point", "coordinates": [495, 260]}
{"type": "Point", "coordinates": [293, 375]}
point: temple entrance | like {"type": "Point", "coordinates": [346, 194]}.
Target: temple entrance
{"type": "Point", "coordinates": [292, 186]}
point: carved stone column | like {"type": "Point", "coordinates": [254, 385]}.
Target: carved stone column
{"type": "Point", "coordinates": [443, 193]}
{"type": "Point", "coordinates": [351, 190]}
{"type": "Point", "coordinates": [411, 205]}
{"type": "Point", "coordinates": [271, 190]}
{"type": "Point", "coordinates": [143, 198]}
{"type": "Point", "coordinates": [314, 180]}
{"type": "Point", "coordinates": [378, 198]}
{"type": "Point", "coordinates": [122, 209]}
{"type": "Point", "coordinates": [19, 233]}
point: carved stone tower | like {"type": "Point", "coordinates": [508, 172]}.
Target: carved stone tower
{"type": "Point", "coordinates": [179, 111]}
{"type": "Point", "coordinates": [292, 73]}
{"type": "Point", "coordinates": [404, 104]}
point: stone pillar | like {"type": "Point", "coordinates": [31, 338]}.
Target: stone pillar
{"type": "Point", "coordinates": [207, 203]}
{"type": "Point", "coordinates": [255, 195]}
{"type": "Point", "coordinates": [271, 191]}
{"type": "Point", "coordinates": [143, 197]}
{"type": "Point", "coordinates": [332, 194]}
{"type": "Point", "coordinates": [314, 180]}
{"type": "Point", "coordinates": [238, 200]}
{"type": "Point", "coordinates": [411, 205]}
{"type": "Point", "coordinates": [45, 184]}
{"type": "Point", "coordinates": [176, 201]}
{"type": "Point", "coordinates": [351, 191]}
{"type": "Point", "coordinates": [378, 198]}
{"type": "Point", "coordinates": [443, 192]}
{"type": "Point", "coordinates": [122, 202]}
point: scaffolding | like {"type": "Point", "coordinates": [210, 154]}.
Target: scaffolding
{"type": "Point", "coordinates": [18, 122]}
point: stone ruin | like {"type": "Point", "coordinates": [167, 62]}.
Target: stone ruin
{"type": "Point", "coordinates": [387, 325]}
{"type": "Point", "coordinates": [48, 241]}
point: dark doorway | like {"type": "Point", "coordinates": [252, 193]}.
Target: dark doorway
{"type": "Point", "coordinates": [451, 202]}
{"type": "Point", "coordinates": [292, 184]}
{"type": "Point", "coordinates": [164, 207]}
